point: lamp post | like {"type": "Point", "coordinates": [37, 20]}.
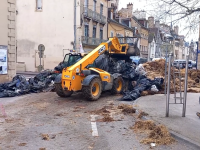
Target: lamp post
{"type": "Point", "coordinates": [197, 53]}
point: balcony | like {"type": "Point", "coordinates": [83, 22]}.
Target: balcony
{"type": "Point", "coordinates": [88, 13]}
{"type": "Point", "coordinates": [92, 41]}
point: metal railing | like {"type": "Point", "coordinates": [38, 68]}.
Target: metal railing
{"type": "Point", "coordinates": [102, 19]}
{"type": "Point", "coordinates": [92, 41]}
{"type": "Point", "coordinates": [94, 15]}
{"type": "Point", "coordinates": [88, 12]}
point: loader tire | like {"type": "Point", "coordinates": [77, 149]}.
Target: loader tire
{"type": "Point", "coordinates": [60, 92]}
{"type": "Point", "coordinates": [118, 86]}
{"type": "Point", "coordinates": [93, 91]}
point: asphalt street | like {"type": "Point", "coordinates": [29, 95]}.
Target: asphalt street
{"type": "Point", "coordinates": [47, 121]}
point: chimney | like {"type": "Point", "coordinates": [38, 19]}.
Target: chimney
{"type": "Point", "coordinates": [130, 6]}
{"type": "Point", "coordinates": [151, 22]}
{"type": "Point", "coordinates": [130, 10]}
{"type": "Point", "coordinates": [157, 24]}
{"type": "Point", "coordinates": [176, 28]}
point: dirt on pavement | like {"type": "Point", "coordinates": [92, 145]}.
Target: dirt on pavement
{"type": "Point", "coordinates": [46, 121]}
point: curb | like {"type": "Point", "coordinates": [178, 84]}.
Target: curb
{"type": "Point", "coordinates": [27, 73]}
{"type": "Point", "coordinates": [185, 139]}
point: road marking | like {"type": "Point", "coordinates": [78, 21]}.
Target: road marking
{"type": "Point", "coordinates": [94, 125]}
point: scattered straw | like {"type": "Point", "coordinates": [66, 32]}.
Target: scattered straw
{"type": "Point", "coordinates": [45, 137]}
{"type": "Point", "coordinates": [144, 125]}
{"type": "Point", "coordinates": [127, 109]}
{"type": "Point", "coordinates": [22, 144]}
{"type": "Point", "coordinates": [102, 110]}
{"type": "Point", "coordinates": [106, 118]}
{"type": "Point", "coordinates": [141, 114]}
{"type": "Point", "coordinates": [158, 134]}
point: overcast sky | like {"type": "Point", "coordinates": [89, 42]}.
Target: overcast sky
{"type": "Point", "coordinates": [143, 5]}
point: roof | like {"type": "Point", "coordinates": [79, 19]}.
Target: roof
{"type": "Point", "coordinates": [139, 23]}
{"type": "Point", "coordinates": [121, 24]}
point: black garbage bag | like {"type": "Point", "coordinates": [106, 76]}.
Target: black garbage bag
{"type": "Point", "coordinates": [102, 62]}
{"type": "Point", "coordinates": [42, 76]}
{"type": "Point", "coordinates": [8, 93]}
{"type": "Point", "coordinates": [117, 67]}
{"type": "Point", "coordinates": [4, 86]}
{"type": "Point", "coordinates": [158, 82]}
{"type": "Point", "coordinates": [131, 95]}
{"type": "Point", "coordinates": [61, 66]}
{"type": "Point", "coordinates": [143, 84]}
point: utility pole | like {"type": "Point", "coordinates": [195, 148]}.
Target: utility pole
{"type": "Point", "coordinates": [74, 46]}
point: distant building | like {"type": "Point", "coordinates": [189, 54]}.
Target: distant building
{"type": "Point", "coordinates": [152, 46]}
{"type": "Point", "coordinates": [139, 26]}
{"type": "Point", "coordinates": [117, 26]}
{"type": "Point", "coordinates": [60, 27]}
{"type": "Point", "coordinates": [139, 14]}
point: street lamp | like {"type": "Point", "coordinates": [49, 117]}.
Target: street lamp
{"type": "Point", "coordinates": [197, 53]}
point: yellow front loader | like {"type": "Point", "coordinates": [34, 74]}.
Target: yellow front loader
{"type": "Point", "coordinates": [78, 76]}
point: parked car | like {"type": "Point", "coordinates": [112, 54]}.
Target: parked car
{"type": "Point", "coordinates": [138, 60]}
{"type": "Point", "coordinates": [181, 63]}
{"type": "Point", "coordinates": [194, 64]}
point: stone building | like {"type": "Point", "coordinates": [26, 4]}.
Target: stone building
{"type": "Point", "coordinates": [60, 26]}
{"type": "Point", "coordinates": [7, 40]}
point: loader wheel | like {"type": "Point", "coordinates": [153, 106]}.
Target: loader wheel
{"type": "Point", "coordinates": [60, 92]}
{"type": "Point", "coordinates": [93, 91]}
{"type": "Point", "coordinates": [118, 85]}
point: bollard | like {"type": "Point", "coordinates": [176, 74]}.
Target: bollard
{"type": "Point", "coordinates": [168, 86]}
{"type": "Point", "coordinates": [199, 99]}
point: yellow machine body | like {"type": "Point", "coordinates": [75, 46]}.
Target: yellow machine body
{"type": "Point", "coordinates": [71, 76]}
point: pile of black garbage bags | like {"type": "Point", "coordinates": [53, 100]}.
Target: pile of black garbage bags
{"type": "Point", "coordinates": [130, 75]}
{"type": "Point", "coordinates": [42, 82]}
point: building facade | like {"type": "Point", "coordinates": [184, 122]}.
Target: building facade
{"type": "Point", "coordinates": [152, 46]}
{"type": "Point", "coordinates": [92, 28]}
{"type": "Point", "coordinates": [43, 22]}
{"type": "Point", "coordinates": [7, 40]}
{"type": "Point", "coordinates": [119, 27]}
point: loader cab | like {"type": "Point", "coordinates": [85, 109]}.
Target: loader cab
{"type": "Point", "coordinates": [70, 59]}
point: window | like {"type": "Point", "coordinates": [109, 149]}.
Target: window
{"type": "Point", "coordinates": [94, 32]}
{"type": "Point", "coordinates": [86, 3]}
{"type": "Point", "coordinates": [111, 15]}
{"type": "Point", "coordinates": [86, 6]}
{"type": "Point", "coordinates": [86, 31]}
{"type": "Point", "coordinates": [101, 9]}
{"type": "Point", "coordinates": [94, 5]}
{"type": "Point", "coordinates": [121, 40]}
{"type": "Point", "coordinates": [111, 34]}
{"type": "Point", "coordinates": [101, 33]}
{"type": "Point", "coordinates": [39, 5]}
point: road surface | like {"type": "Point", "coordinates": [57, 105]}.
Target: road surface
{"type": "Point", "coordinates": [47, 121]}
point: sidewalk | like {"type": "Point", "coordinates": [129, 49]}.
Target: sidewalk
{"type": "Point", "coordinates": [188, 127]}
{"type": "Point", "coordinates": [27, 73]}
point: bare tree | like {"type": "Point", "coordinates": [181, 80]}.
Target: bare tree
{"type": "Point", "coordinates": [181, 12]}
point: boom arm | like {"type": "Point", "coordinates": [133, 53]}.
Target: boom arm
{"type": "Point", "coordinates": [112, 46]}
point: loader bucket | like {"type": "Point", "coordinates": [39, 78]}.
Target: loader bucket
{"type": "Point", "coordinates": [133, 51]}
